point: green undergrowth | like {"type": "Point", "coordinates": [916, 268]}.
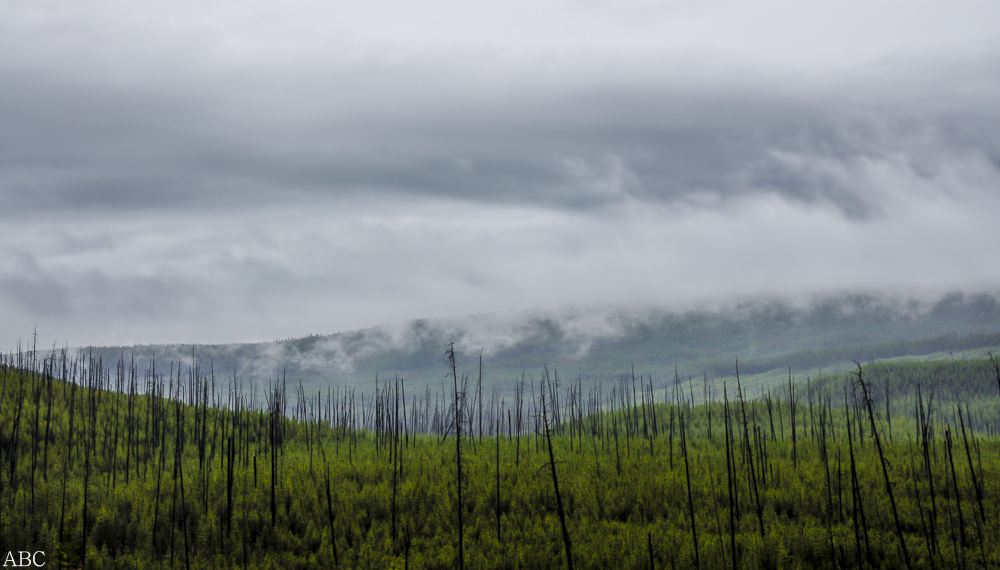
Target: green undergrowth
{"type": "Point", "coordinates": [197, 479]}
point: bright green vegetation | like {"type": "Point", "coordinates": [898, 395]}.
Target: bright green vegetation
{"type": "Point", "coordinates": [116, 468]}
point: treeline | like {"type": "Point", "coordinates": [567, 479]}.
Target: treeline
{"type": "Point", "coordinates": [106, 465]}
{"type": "Point", "coordinates": [943, 386]}
{"type": "Point", "coordinates": [824, 356]}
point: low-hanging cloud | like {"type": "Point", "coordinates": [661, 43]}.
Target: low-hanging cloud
{"type": "Point", "coordinates": [345, 264]}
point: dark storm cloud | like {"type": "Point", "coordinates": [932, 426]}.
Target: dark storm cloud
{"type": "Point", "coordinates": [197, 140]}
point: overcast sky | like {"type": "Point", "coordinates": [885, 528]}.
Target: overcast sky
{"type": "Point", "coordinates": [243, 170]}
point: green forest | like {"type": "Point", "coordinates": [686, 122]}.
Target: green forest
{"type": "Point", "coordinates": [150, 465]}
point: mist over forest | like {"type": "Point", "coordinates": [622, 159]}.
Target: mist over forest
{"type": "Point", "coordinates": [599, 343]}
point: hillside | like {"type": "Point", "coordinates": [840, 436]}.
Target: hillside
{"type": "Point", "coordinates": [598, 344]}
{"type": "Point", "coordinates": [204, 475]}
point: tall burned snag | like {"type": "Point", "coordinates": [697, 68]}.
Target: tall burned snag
{"type": "Point", "coordinates": [687, 475]}
{"type": "Point", "coordinates": [499, 536]}
{"type": "Point", "coordinates": [555, 479]}
{"type": "Point", "coordinates": [866, 391]}
{"type": "Point", "coordinates": [450, 353]}
{"type": "Point", "coordinates": [730, 475]}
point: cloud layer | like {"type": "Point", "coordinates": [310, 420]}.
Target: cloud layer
{"type": "Point", "coordinates": [236, 172]}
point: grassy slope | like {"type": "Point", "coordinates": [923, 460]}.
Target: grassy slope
{"type": "Point", "coordinates": [622, 494]}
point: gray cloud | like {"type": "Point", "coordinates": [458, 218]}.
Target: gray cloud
{"type": "Point", "coordinates": [242, 140]}
{"type": "Point", "coordinates": [259, 175]}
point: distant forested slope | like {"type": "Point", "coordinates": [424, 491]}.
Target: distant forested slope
{"type": "Point", "coordinates": [599, 343]}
